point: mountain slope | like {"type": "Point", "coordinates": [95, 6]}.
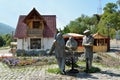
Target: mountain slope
{"type": "Point", "coordinates": [4, 29]}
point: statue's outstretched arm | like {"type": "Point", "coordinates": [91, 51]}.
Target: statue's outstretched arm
{"type": "Point", "coordinates": [52, 48]}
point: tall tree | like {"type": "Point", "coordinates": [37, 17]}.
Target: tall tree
{"type": "Point", "coordinates": [110, 8]}
{"type": "Point", "coordinates": [110, 18]}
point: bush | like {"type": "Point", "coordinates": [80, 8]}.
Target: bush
{"type": "Point", "coordinates": [20, 52]}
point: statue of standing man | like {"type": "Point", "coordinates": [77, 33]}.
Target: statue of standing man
{"type": "Point", "coordinates": [88, 42]}
{"type": "Point", "coordinates": [59, 48]}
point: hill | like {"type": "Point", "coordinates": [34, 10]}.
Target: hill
{"type": "Point", "coordinates": [4, 28]}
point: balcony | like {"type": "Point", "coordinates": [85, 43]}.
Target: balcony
{"type": "Point", "coordinates": [34, 32]}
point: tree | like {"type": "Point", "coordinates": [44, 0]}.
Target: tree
{"type": "Point", "coordinates": [110, 8]}
{"type": "Point", "coordinates": [110, 16]}
{"type": "Point", "coordinates": [2, 42]}
{"type": "Point", "coordinates": [80, 24]}
{"type": "Point", "coordinates": [66, 30]}
{"type": "Point", "coordinates": [7, 38]}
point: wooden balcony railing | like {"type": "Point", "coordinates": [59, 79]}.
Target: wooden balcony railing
{"type": "Point", "coordinates": [34, 32]}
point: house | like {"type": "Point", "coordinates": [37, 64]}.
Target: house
{"type": "Point", "coordinates": [35, 31]}
{"type": "Point", "coordinates": [101, 43]}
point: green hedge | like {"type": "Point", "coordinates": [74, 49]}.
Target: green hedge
{"type": "Point", "coordinates": [20, 52]}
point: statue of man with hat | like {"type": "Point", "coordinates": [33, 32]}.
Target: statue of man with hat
{"type": "Point", "coordinates": [59, 48]}
{"type": "Point", "coordinates": [88, 42]}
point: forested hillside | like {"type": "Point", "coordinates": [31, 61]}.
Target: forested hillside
{"type": "Point", "coordinates": [6, 29]}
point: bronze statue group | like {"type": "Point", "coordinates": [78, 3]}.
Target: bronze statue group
{"type": "Point", "coordinates": [59, 47]}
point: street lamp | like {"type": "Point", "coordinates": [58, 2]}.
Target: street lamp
{"type": "Point", "coordinates": [108, 30]}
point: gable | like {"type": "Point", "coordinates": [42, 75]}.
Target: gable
{"type": "Point", "coordinates": [48, 20]}
{"type": "Point", "coordinates": [34, 14]}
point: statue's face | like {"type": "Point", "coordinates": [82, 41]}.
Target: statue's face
{"type": "Point", "coordinates": [87, 34]}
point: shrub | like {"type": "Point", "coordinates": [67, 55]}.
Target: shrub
{"type": "Point", "coordinates": [20, 52]}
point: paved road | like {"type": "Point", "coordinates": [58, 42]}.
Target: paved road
{"type": "Point", "coordinates": [40, 73]}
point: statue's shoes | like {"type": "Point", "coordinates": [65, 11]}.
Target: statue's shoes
{"type": "Point", "coordinates": [87, 71]}
{"type": "Point", "coordinates": [63, 73]}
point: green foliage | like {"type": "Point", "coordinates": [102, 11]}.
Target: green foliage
{"type": "Point", "coordinates": [2, 42]}
{"type": "Point", "coordinates": [7, 38]}
{"type": "Point", "coordinates": [65, 30]}
{"type": "Point", "coordinates": [110, 18]}
{"type": "Point", "coordinates": [80, 24]}
{"type": "Point", "coordinates": [110, 8]}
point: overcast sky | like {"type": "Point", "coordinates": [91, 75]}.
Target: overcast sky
{"type": "Point", "coordinates": [65, 10]}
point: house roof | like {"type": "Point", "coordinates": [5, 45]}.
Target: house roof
{"type": "Point", "coordinates": [49, 28]}
{"type": "Point", "coordinates": [21, 29]}
{"type": "Point", "coordinates": [96, 35]}
{"type": "Point", "coordinates": [99, 36]}
{"type": "Point", "coordinates": [67, 35]}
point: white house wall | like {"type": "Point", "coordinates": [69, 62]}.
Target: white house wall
{"type": "Point", "coordinates": [26, 41]}
{"type": "Point", "coordinates": [19, 43]}
{"type": "Point", "coordinates": [48, 43]}
{"type": "Point", "coordinates": [22, 43]}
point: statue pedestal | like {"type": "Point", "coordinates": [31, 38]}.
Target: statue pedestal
{"type": "Point", "coordinates": [72, 70]}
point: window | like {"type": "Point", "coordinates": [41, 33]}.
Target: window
{"type": "Point", "coordinates": [99, 42]}
{"type": "Point", "coordinates": [36, 24]}
{"type": "Point", "coordinates": [35, 43]}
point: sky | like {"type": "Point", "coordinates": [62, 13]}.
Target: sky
{"type": "Point", "coordinates": [65, 10]}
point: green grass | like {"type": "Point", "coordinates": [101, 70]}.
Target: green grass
{"type": "Point", "coordinates": [92, 70]}
{"type": "Point", "coordinates": [81, 63]}
{"type": "Point", "coordinates": [5, 47]}
{"type": "Point", "coordinates": [54, 70]}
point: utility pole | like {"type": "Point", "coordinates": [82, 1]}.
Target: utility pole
{"type": "Point", "coordinates": [99, 10]}
{"type": "Point", "coordinates": [12, 36]}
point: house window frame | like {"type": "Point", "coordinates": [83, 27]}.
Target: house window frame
{"type": "Point", "coordinates": [34, 44]}
{"type": "Point", "coordinates": [36, 24]}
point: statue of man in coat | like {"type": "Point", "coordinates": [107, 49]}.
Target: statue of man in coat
{"type": "Point", "coordinates": [88, 42]}
{"type": "Point", "coordinates": [59, 48]}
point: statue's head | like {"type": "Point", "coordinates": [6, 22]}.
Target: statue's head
{"type": "Point", "coordinates": [87, 32]}
{"type": "Point", "coordinates": [59, 36]}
